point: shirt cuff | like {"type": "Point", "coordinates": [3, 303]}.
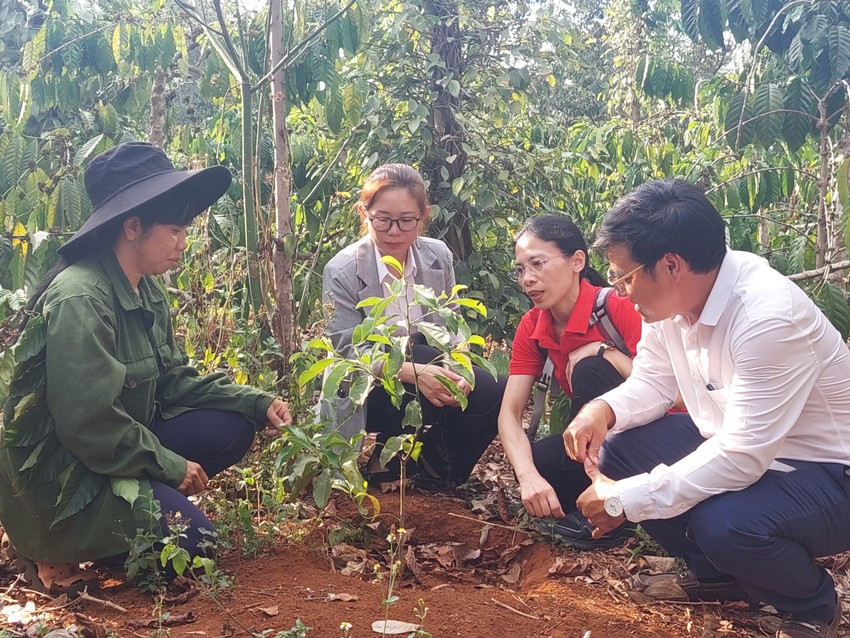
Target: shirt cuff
{"type": "Point", "coordinates": [634, 494]}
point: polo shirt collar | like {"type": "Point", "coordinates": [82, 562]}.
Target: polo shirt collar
{"type": "Point", "coordinates": [544, 329]}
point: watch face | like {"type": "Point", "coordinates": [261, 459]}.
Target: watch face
{"type": "Point", "coordinates": [613, 506]}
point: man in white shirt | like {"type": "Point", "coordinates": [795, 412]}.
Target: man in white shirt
{"type": "Point", "coordinates": [750, 485]}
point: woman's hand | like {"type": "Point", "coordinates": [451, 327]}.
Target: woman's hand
{"type": "Point", "coordinates": [439, 395]}
{"type": "Point", "coordinates": [587, 350]}
{"type": "Point", "coordinates": [277, 416]}
{"type": "Point", "coordinates": [539, 497]}
{"type": "Point", "coordinates": [195, 480]}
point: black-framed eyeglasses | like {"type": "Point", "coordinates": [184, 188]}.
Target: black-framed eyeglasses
{"type": "Point", "coordinates": [619, 283]}
{"type": "Point", "coordinates": [384, 224]}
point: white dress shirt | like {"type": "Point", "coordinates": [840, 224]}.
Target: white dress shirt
{"type": "Point", "coordinates": [398, 309]}
{"type": "Point", "coordinates": [764, 376]}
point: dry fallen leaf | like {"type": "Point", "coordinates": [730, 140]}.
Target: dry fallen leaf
{"type": "Point", "coordinates": [393, 627]}
{"type": "Point", "coordinates": [513, 574]}
{"type": "Point", "coordinates": [564, 566]}
{"type": "Point", "coordinates": [660, 563]}
{"type": "Point", "coordinates": [270, 611]}
{"type": "Point", "coordinates": [346, 598]}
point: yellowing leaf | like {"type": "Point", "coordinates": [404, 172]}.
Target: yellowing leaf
{"type": "Point", "coordinates": [20, 238]}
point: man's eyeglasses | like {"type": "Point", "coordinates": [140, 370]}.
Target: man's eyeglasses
{"type": "Point", "coordinates": [619, 283]}
{"type": "Point", "coordinates": [533, 267]}
{"type": "Point", "coordinates": [384, 224]}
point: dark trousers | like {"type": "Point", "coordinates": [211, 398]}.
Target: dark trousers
{"type": "Point", "coordinates": [592, 377]}
{"type": "Point", "coordinates": [765, 535]}
{"type": "Point", "coordinates": [455, 439]}
{"type": "Point", "coordinates": [214, 439]}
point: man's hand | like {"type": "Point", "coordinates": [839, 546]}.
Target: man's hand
{"type": "Point", "coordinates": [591, 502]}
{"type": "Point", "coordinates": [195, 480]}
{"type": "Point", "coordinates": [539, 498]}
{"type": "Point", "coordinates": [586, 434]}
{"type": "Point", "coordinates": [277, 416]}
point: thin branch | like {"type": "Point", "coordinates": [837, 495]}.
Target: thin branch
{"type": "Point", "coordinates": [190, 11]}
{"type": "Point", "coordinates": [228, 42]}
{"type": "Point", "coordinates": [516, 611]}
{"type": "Point", "coordinates": [299, 48]}
{"type": "Point", "coordinates": [783, 224]}
{"type": "Point", "coordinates": [818, 272]}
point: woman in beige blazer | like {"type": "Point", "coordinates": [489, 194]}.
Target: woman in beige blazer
{"type": "Point", "coordinates": [393, 208]}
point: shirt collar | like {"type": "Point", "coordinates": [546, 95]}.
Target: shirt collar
{"type": "Point", "coordinates": [580, 316]}
{"type": "Point", "coordinates": [718, 298]}
{"type": "Point", "coordinates": [124, 292]}
{"type": "Point", "coordinates": [384, 272]}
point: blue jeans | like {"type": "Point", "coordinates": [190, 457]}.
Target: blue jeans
{"type": "Point", "coordinates": [766, 535]}
{"type": "Point", "coordinates": [214, 439]}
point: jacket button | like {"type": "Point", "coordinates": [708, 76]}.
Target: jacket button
{"type": "Point", "coordinates": [132, 383]}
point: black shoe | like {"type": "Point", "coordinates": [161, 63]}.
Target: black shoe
{"type": "Point", "coordinates": [720, 589]}
{"type": "Point", "coordinates": [575, 531]}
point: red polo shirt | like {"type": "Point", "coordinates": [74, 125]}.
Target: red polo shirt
{"type": "Point", "coordinates": [536, 331]}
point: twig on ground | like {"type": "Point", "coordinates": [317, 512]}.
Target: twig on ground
{"type": "Point", "coordinates": [37, 593]}
{"type": "Point", "coordinates": [106, 603]}
{"type": "Point", "coordinates": [516, 611]}
{"type": "Point", "coordinates": [484, 523]}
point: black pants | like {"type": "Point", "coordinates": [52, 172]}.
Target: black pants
{"type": "Point", "coordinates": [454, 439]}
{"type": "Point", "coordinates": [592, 377]}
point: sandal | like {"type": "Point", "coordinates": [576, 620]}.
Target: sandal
{"type": "Point", "coordinates": [53, 578]}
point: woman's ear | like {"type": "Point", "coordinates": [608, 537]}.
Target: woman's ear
{"type": "Point", "coordinates": [361, 208]}
{"type": "Point", "coordinates": [578, 260]}
{"type": "Point", "coordinates": [132, 228]}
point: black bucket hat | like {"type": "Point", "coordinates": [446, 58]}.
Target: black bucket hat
{"type": "Point", "coordinates": [136, 177]}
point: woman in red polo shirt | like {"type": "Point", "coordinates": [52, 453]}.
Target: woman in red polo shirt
{"type": "Point", "coordinates": [552, 268]}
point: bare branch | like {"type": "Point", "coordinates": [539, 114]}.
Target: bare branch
{"type": "Point", "coordinates": [819, 272]}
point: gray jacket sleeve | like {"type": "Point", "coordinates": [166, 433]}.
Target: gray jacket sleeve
{"type": "Point", "coordinates": [339, 306]}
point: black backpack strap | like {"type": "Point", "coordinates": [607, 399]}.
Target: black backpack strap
{"type": "Point", "coordinates": [544, 382]}
{"type": "Point", "coordinates": [600, 318]}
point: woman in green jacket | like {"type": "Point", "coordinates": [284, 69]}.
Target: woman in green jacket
{"type": "Point", "coordinates": [106, 431]}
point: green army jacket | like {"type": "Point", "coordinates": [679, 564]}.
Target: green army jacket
{"type": "Point", "coordinates": [95, 367]}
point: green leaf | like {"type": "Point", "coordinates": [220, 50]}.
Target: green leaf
{"type": "Point", "coordinates": [767, 107]}
{"type": "Point", "coordinates": [738, 125]}
{"type": "Point", "coordinates": [315, 370]}
{"type": "Point", "coordinates": [393, 263]}
{"type": "Point", "coordinates": [476, 305]}
{"type": "Point", "coordinates": [838, 41]}
{"type": "Point", "coordinates": [126, 488]}
{"type": "Point", "coordinates": [32, 340]}
{"type": "Point", "coordinates": [842, 177]}
{"type": "Point", "coordinates": [392, 447]}
{"type": "Point", "coordinates": [453, 87]}
{"type": "Point", "coordinates": [412, 415]}
{"type": "Point", "coordinates": [333, 380]}
{"type": "Point", "coordinates": [437, 336]}
{"type": "Point", "coordinates": [30, 427]}
{"type": "Point", "coordinates": [334, 111]}
{"type": "Point", "coordinates": [451, 386]}
{"type": "Point", "coordinates": [831, 301]}
{"type": "Point", "coordinates": [32, 459]}
{"type": "Point", "coordinates": [360, 388]}
{"type": "Point", "coordinates": [457, 186]}
{"type": "Point", "coordinates": [79, 487]}
{"type": "Point", "coordinates": [710, 23]}
{"type": "Point", "coordinates": [798, 105]}
{"type": "Point", "coordinates": [484, 364]}
{"type": "Point", "coordinates": [690, 22]}
{"type": "Point", "coordinates": [86, 149]}
{"type": "Point", "coordinates": [322, 488]}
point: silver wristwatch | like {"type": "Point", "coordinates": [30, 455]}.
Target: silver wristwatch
{"type": "Point", "coordinates": [613, 506]}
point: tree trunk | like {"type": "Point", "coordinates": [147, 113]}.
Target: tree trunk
{"type": "Point", "coordinates": [157, 118]}
{"type": "Point", "coordinates": [284, 244]}
{"type": "Point", "coordinates": [448, 134]}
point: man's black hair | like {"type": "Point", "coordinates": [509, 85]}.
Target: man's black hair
{"type": "Point", "coordinates": [669, 216]}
